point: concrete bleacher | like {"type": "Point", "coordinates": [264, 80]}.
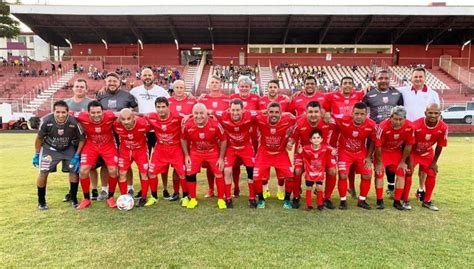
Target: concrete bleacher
{"type": "Point", "coordinates": [431, 80]}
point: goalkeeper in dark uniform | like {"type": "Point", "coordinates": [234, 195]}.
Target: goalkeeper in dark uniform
{"type": "Point", "coordinates": [60, 139]}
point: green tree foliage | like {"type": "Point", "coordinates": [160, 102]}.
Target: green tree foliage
{"type": "Point", "coordinates": [8, 26]}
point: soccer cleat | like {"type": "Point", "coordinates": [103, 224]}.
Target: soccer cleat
{"type": "Point", "coordinates": [74, 204]}
{"type": "Point", "coordinates": [84, 204]}
{"type": "Point", "coordinates": [131, 192]}
{"type": "Point", "coordinates": [192, 203]}
{"type": "Point", "coordinates": [103, 195]}
{"type": "Point", "coordinates": [138, 195]}
{"type": "Point", "coordinates": [229, 204]}
{"type": "Point", "coordinates": [221, 204]}
{"type": "Point", "coordinates": [236, 193]}
{"type": "Point", "coordinates": [309, 208]}
{"type": "Point", "coordinates": [343, 205]}
{"type": "Point", "coordinates": [398, 205]}
{"type": "Point", "coordinates": [420, 195]}
{"type": "Point", "coordinates": [406, 205]}
{"type": "Point", "coordinates": [430, 206]}
{"type": "Point", "coordinates": [184, 201]}
{"type": "Point", "coordinates": [287, 204]}
{"type": "Point", "coordinates": [261, 204]}
{"type": "Point", "coordinates": [141, 202]}
{"type": "Point", "coordinates": [67, 197]}
{"type": "Point", "coordinates": [353, 194]}
{"type": "Point", "coordinates": [281, 195]}
{"type": "Point", "coordinates": [389, 193]}
{"type": "Point", "coordinates": [166, 195]}
{"type": "Point", "coordinates": [266, 194]}
{"type": "Point", "coordinates": [296, 203]}
{"type": "Point", "coordinates": [43, 206]}
{"type": "Point", "coordinates": [210, 194]}
{"type": "Point", "coordinates": [151, 201]}
{"type": "Point", "coordinates": [328, 204]}
{"type": "Point", "coordinates": [175, 197]}
{"type": "Point", "coordinates": [380, 204]}
{"type": "Point", "coordinates": [363, 204]}
{"type": "Point", "coordinates": [252, 203]}
{"type": "Point", "coordinates": [94, 195]}
{"type": "Point", "coordinates": [111, 202]}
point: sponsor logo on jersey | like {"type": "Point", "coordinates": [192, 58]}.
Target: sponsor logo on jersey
{"type": "Point", "coordinates": [236, 129]}
{"type": "Point", "coordinates": [385, 99]}
{"type": "Point", "coordinates": [163, 127]}
{"type": "Point", "coordinates": [214, 104]}
{"type": "Point", "coordinates": [98, 129]}
{"type": "Point", "coordinates": [130, 136]}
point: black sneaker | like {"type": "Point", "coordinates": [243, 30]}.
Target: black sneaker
{"type": "Point", "coordinates": [363, 204]}
{"type": "Point", "coordinates": [398, 205]}
{"type": "Point", "coordinates": [166, 195]}
{"type": "Point", "coordinates": [420, 195]}
{"type": "Point", "coordinates": [430, 206]}
{"type": "Point", "coordinates": [141, 202]}
{"type": "Point", "coordinates": [43, 206]}
{"type": "Point", "coordinates": [67, 197]}
{"type": "Point", "coordinates": [229, 204]}
{"type": "Point", "coordinates": [74, 204]}
{"type": "Point", "coordinates": [353, 194]}
{"type": "Point", "coordinates": [94, 194]}
{"type": "Point", "coordinates": [139, 194]}
{"type": "Point", "coordinates": [328, 204]}
{"type": "Point", "coordinates": [296, 203]}
{"type": "Point", "coordinates": [131, 192]}
{"type": "Point", "coordinates": [380, 204]}
{"type": "Point", "coordinates": [343, 205]}
{"type": "Point", "coordinates": [252, 204]}
{"type": "Point", "coordinates": [175, 197]}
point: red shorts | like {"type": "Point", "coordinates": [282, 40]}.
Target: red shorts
{"type": "Point", "coordinates": [264, 161]}
{"type": "Point", "coordinates": [424, 162]}
{"type": "Point", "coordinates": [165, 155]}
{"type": "Point", "coordinates": [391, 159]}
{"type": "Point", "coordinates": [347, 159]}
{"type": "Point", "coordinates": [299, 164]}
{"type": "Point", "coordinates": [91, 152]}
{"type": "Point", "coordinates": [198, 159]}
{"type": "Point", "coordinates": [246, 155]}
{"type": "Point", "coordinates": [139, 156]}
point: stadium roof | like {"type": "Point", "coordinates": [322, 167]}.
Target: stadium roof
{"type": "Point", "coordinates": [228, 24]}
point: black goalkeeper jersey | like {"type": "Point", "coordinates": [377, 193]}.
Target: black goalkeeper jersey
{"type": "Point", "coordinates": [60, 136]}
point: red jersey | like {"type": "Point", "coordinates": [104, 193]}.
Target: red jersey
{"type": "Point", "coordinates": [238, 132]}
{"type": "Point", "coordinates": [315, 161]}
{"type": "Point", "coordinates": [203, 139]}
{"type": "Point", "coordinates": [220, 103]}
{"type": "Point", "coordinates": [273, 138]}
{"type": "Point", "coordinates": [182, 107]}
{"type": "Point", "coordinates": [338, 104]}
{"type": "Point", "coordinates": [353, 138]}
{"type": "Point", "coordinates": [302, 131]}
{"type": "Point", "coordinates": [98, 133]}
{"type": "Point", "coordinates": [299, 102]}
{"type": "Point", "coordinates": [283, 100]}
{"type": "Point", "coordinates": [250, 102]}
{"type": "Point", "coordinates": [426, 137]}
{"type": "Point", "coordinates": [168, 131]}
{"type": "Point", "coordinates": [134, 138]}
{"type": "Point", "coordinates": [393, 139]}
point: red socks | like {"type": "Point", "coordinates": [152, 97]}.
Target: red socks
{"type": "Point", "coordinates": [153, 184]}
{"type": "Point", "coordinates": [184, 185]}
{"type": "Point", "coordinates": [210, 178]}
{"type": "Point", "coordinates": [220, 187]}
{"type": "Point", "coordinates": [297, 186]}
{"type": "Point", "coordinates": [251, 191]}
{"type": "Point", "coordinates": [281, 182]}
{"type": "Point", "coordinates": [85, 185]}
{"type": "Point", "coordinates": [289, 185]}
{"type": "Point", "coordinates": [406, 189]}
{"type": "Point", "coordinates": [330, 185]}
{"type": "Point", "coordinates": [192, 189]}
{"type": "Point", "coordinates": [342, 187]}
{"type": "Point", "coordinates": [144, 187]}
{"type": "Point", "coordinates": [379, 192]}
{"type": "Point", "coordinates": [429, 185]}
{"type": "Point", "coordinates": [397, 194]}
{"type": "Point", "coordinates": [236, 177]}
{"type": "Point", "coordinates": [228, 188]}
{"type": "Point", "coordinates": [309, 202]}
{"type": "Point", "coordinates": [364, 187]}
{"type": "Point", "coordinates": [112, 184]}
{"type": "Point", "coordinates": [258, 186]}
{"type": "Point", "coordinates": [122, 187]}
{"type": "Point", "coordinates": [319, 198]}
{"type": "Point", "coordinates": [351, 178]}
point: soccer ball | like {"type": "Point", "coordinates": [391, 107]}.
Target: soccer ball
{"type": "Point", "coordinates": [125, 202]}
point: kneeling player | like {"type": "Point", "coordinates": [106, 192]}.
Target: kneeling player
{"type": "Point", "coordinates": [54, 144]}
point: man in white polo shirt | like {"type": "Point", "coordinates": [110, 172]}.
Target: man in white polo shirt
{"type": "Point", "coordinates": [146, 95]}
{"type": "Point", "coordinates": [418, 96]}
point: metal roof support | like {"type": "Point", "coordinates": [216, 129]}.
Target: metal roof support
{"type": "Point", "coordinates": [365, 26]}
{"type": "Point", "coordinates": [326, 26]}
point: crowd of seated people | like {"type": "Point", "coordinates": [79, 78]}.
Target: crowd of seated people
{"type": "Point", "coordinates": [231, 73]}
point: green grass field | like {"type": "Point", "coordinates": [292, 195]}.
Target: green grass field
{"type": "Point", "coordinates": [167, 235]}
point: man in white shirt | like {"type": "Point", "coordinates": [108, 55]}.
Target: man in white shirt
{"type": "Point", "coordinates": [418, 96]}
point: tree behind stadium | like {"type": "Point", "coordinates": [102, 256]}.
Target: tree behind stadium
{"type": "Point", "coordinates": [8, 26]}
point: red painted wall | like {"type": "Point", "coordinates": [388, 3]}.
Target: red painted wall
{"type": "Point", "coordinates": [222, 54]}
{"type": "Point", "coordinates": [316, 58]}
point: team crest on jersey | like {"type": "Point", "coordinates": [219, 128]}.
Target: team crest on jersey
{"type": "Point", "coordinates": [98, 129]}
{"type": "Point", "coordinates": [396, 136]}
{"type": "Point", "coordinates": [273, 130]}
{"type": "Point", "coordinates": [236, 129]}
{"type": "Point", "coordinates": [130, 136]}
{"type": "Point", "coordinates": [202, 135]}
{"type": "Point", "coordinates": [355, 133]}
{"type": "Point", "coordinates": [346, 101]}
{"type": "Point", "coordinates": [60, 131]}
{"type": "Point", "coordinates": [245, 103]}
{"type": "Point", "coordinates": [178, 108]}
{"type": "Point", "coordinates": [385, 99]}
{"type": "Point", "coordinates": [214, 104]}
{"type": "Point", "coordinates": [163, 127]}
{"type": "Point", "coordinates": [427, 136]}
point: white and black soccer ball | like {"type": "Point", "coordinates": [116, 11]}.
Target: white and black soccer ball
{"type": "Point", "coordinates": [125, 202]}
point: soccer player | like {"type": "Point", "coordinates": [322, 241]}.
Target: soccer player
{"type": "Point", "coordinates": [380, 101]}
{"type": "Point", "coordinates": [316, 157]}
{"type": "Point", "coordinates": [180, 102]}
{"type": "Point", "coordinates": [100, 142]}
{"type": "Point", "coordinates": [301, 136]}
{"type": "Point", "coordinates": [203, 140]}
{"type": "Point", "coordinates": [167, 151]}
{"type": "Point", "coordinates": [353, 134]}
{"type": "Point", "coordinates": [429, 130]}
{"type": "Point", "coordinates": [309, 93]}
{"type": "Point", "coordinates": [60, 139]}
{"type": "Point", "coordinates": [392, 148]}
{"type": "Point", "coordinates": [133, 148]}
{"type": "Point", "coordinates": [215, 100]}
{"type": "Point", "coordinates": [273, 95]}
{"type": "Point", "coordinates": [237, 124]}
{"type": "Point", "coordinates": [341, 103]}
{"type": "Point", "coordinates": [274, 129]}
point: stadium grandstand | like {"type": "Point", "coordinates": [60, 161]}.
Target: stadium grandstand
{"type": "Point", "coordinates": [196, 42]}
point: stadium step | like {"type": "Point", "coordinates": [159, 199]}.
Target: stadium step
{"type": "Point", "coordinates": [266, 75]}
{"type": "Point", "coordinates": [190, 77]}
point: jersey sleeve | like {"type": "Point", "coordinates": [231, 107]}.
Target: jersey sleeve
{"type": "Point", "coordinates": [443, 139]}
{"type": "Point", "coordinates": [221, 133]}
{"type": "Point", "coordinates": [79, 131]}
{"type": "Point", "coordinates": [132, 102]}
{"type": "Point", "coordinates": [379, 135]}
{"type": "Point", "coordinates": [43, 129]}
{"type": "Point", "coordinates": [326, 104]}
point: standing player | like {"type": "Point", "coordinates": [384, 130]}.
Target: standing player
{"type": "Point", "coordinates": [180, 103]}
{"type": "Point", "coordinates": [203, 141]}
{"type": "Point", "coordinates": [100, 142]}
{"type": "Point", "coordinates": [167, 150]}
{"type": "Point", "coordinates": [429, 130]}
{"type": "Point", "coordinates": [55, 143]}
{"type": "Point", "coordinates": [380, 101]}
{"type": "Point", "coordinates": [274, 129]}
{"type": "Point", "coordinates": [237, 124]}
{"type": "Point", "coordinates": [353, 134]}
{"type": "Point", "coordinates": [133, 148]}
{"type": "Point", "coordinates": [392, 148]}
{"type": "Point", "coordinates": [309, 93]}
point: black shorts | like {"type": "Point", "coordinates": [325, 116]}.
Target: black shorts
{"type": "Point", "coordinates": [50, 157]}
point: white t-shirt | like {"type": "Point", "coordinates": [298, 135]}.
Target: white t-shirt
{"type": "Point", "coordinates": [415, 102]}
{"type": "Point", "coordinates": [146, 98]}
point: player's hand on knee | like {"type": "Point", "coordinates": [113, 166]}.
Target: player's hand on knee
{"type": "Point", "coordinates": [35, 161]}
{"type": "Point", "coordinates": [220, 164]}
